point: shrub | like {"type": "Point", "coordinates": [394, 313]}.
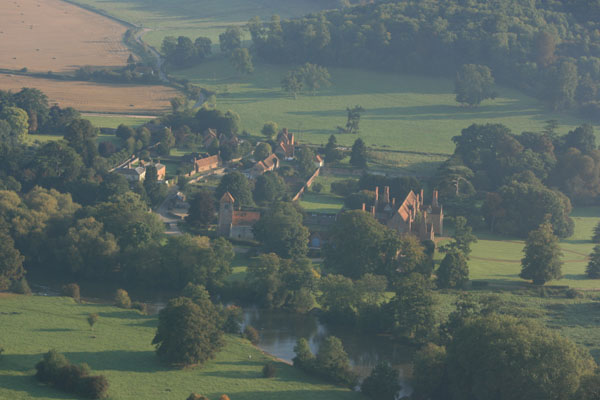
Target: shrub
{"type": "Point", "coordinates": [71, 290]}
{"type": "Point", "coordinates": [195, 396]}
{"type": "Point", "coordinates": [269, 370]}
{"type": "Point", "coordinates": [21, 287]}
{"type": "Point", "coordinates": [141, 307]}
{"type": "Point", "coordinates": [55, 369]}
{"type": "Point", "coordinates": [251, 334]}
{"type": "Point", "coordinates": [122, 299]}
{"type": "Point", "coordinates": [573, 294]}
{"type": "Point", "coordinates": [233, 319]}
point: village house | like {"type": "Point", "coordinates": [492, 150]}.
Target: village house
{"type": "Point", "coordinates": [285, 147]}
{"type": "Point", "coordinates": [412, 216]}
{"type": "Point", "coordinates": [203, 162]}
{"type": "Point", "coordinates": [210, 135]}
{"type": "Point", "coordinates": [268, 164]}
{"type": "Point", "coordinates": [132, 174]}
{"type": "Point", "coordinates": [235, 224]}
{"type": "Point", "coordinates": [161, 169]}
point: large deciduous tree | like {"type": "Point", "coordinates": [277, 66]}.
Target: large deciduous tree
{"type": "Point", "coordinates": [11, 262]}
{"type": "Point", "coordinates": [473, 84]}
{"type": "Point", "coordinates": [188, 332]}
{"type": "Point", "coordinates": [280, 231]}
{"type": "Point", "coordinates": [358, 157]}
{"type": "Point", "coordinates": [238, 186]}
{"type": "Point", "coordinates": [202, 209]}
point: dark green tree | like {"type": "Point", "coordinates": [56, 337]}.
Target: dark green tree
{"type": "Point", "coordinates": [473, 84]}
{"type": "Point", "coordinates": [382, 384]}
{"type": "Point", "coordinates": [237, 184]}
{"type": "Point", "coordinates": [453, 271]}
{"type": "Point", "coordinates": [269, 129]}
{"type": "Point", "coordinates": [353, 120]}
{"type": "Point", "coordinates": [537, 362]}
{"type": "Point", "coordinates": [231, 39]}
{"type": "Point", "coordinates": [241, 60]}
{"type": "Point", "coordinates": [202, 209]}
{"type": "Point", "coordinates": [292, 83]}
{"type": "Point", "coordinates": [262, 151]}
{"type": "Point", "coordinates": [314, 76]}
{"type": "Point", "coordinates": [11, 262]}
{"type": "Point", "coordinates": [305, 157]}
{"type": "Point", "coordinates": [463, 237]}
{"type": "Point", "coordinates": [81, 136]}
{"type": "Point", "coordinates": [593, 268]}
{"type": "Point", "coordinates": [269, 187]}
{"type": "Point", "coordinates": [542, 261]}
{"type": "Point", "coordinates": [280, 231]}
{"type": "Point", "coordinates": [332, 361]}
{"type": "Point", "coordinates": [188, 332]}
{"type": "Point", "coordinates": [413, 307]}
{"type": "Point", "coordinates": [203, 47]}
{"type": "Point", "coordinates": [358, 157]}
{"type": "Point", "coordinates": [332, 153]}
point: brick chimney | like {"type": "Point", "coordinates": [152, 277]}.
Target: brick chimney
{"type": "Point", "coordinates": [364, 207]}
{"type": "Point", "coordinates": [377, 195]}
{"type": "Point", "coordinates": [394, 202]}
{"type": "Point", "coordinates": [386, 195]}
{"type": "Point", "coordinates": [422, 198]}
{"type": "Point", "coordinates": [373, 210]}
{"type": "Point", "coordinates": [434, 201]}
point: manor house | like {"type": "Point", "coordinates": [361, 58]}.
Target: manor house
{"type": "Point", "coordinates": [412, 216]}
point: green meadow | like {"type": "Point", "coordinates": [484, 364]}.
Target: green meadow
{"type": "Point", "coordinates": [113, 121]}
{"type": "Point", "coordinates": [403, 112]}
{"type": "Point", "coordinates": [119, 348]}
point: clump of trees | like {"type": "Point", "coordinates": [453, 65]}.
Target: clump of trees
{"type": "Point", "coordinates": [181, 52]}
{"type": "Point", "coordinates": [310, 77]}
{"type": "Point", "coordinates": [517, 350]}
{"type": "Point", "coordinates": [331, 361]}
{"type": "Point", "coordinates": [382, 384]}
{"type": "Point", "coordinates": [56, 370]}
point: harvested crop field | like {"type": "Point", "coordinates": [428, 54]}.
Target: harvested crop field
{"type": "Point", "coordinates": [52, 35]}
{"type": "Point", "coordinates": [95, 97]}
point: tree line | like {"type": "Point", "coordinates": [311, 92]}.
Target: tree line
{"type": "Point", "coordinates": [540, 48]}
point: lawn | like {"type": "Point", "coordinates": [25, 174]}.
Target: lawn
{"type": "Point", "coordinates": [498, 260]}
{"type": "Point", "coordinates": [113, 121]}
{"type": "Point", "coordinates": [321, 203]}
{"type": "Point", "coordinates": [119, 348]}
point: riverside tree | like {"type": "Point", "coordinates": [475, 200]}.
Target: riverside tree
{"type": "Point", "coordinates": [188, 332]}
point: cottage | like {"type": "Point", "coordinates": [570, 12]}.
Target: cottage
{"type": "Point", "coordinates": [268, 164]}
{"type": "Point", "coordinates": [235, 224]}
{"type": "Point", "coordinates": [132, 174]}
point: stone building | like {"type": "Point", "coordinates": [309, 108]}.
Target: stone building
{"type": "Point", "coordinates": [286, 145]}
{"type": "Point", "coordinates": [411, 216]}
{"type": "Point", "coordinates": [235, 224]}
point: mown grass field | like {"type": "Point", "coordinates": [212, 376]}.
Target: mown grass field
{"type": "Point", "coordinates": [498, 259]}
{"type": "Point", "coordinates": [113, 121]}
{"type": "Point", "coordinates": [119, 348]}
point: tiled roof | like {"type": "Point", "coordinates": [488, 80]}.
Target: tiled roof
{"type": "Point", "coordinates": [245, 218]}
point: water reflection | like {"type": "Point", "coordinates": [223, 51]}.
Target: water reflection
{"type": "Point", "coordinates": [279, 332]}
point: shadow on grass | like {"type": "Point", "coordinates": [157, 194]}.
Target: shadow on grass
{"type": "Point", "coordinates": [34, 389]}
{"type": "Point", "coordinates": [55, 330]}
{"type": "Point", "coordinates": [119, 360]}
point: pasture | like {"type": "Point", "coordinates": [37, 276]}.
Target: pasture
{"type": "Point", "coordinates": [53, 35]}
{"type": "Point", "coordinates": [119, 348]}
{"type": "Point", "coordinates": [194, 18]}
{"type": "Point", "coordinates": [403, 112]}
{"type": "Point", "coordinates": [97, 97]}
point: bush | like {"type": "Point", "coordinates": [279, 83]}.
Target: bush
{"type": "Point", "coordinates": [55, 369]}
{"type": "Point", "coordinates": [233, 319]}
{"type": "Point", "coordinates": [21, 287]}
{"type": "Point", "coordinates": [269, 370]}
{"type": "Point", "coordinates": [195, 396]}
{"type": "Point", "coordinates": [122, 299]}
{"type": "Point", "coordinates": [71, 290]}
{"type": "Point", "coordinates": [251, 334]}
{"type": "Point", "coordinates": [141, 307]}
{"type": "Point", "coordinates": [92, 319]}
{"type": "Point", "coordinates": [573, 294]}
